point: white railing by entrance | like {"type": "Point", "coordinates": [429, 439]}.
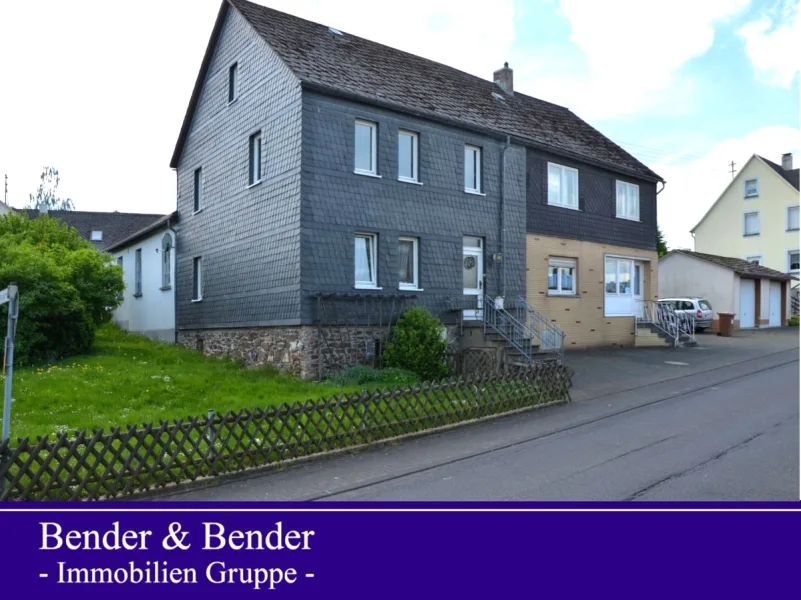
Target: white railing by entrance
{"type": "Point", "coordinates": [678, 326]}
{"type": "Point", "coordinates": [550, 338]}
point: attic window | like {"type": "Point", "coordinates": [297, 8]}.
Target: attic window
{"type": "Point", "coordinates": [334, 31]}
{"type": "Point", "coordinates": [97, 236]}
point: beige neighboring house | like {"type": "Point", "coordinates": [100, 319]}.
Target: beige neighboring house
{"type": "Point", "coordinates": [756, 218]}
{"type": "Point", "coordinates": [4, 208]}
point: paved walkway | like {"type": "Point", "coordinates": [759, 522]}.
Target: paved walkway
{"type": "Point", "coordinates": [612, 370]}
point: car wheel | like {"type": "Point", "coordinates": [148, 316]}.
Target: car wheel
{"type": "Point", "coordinates": [700, 329]}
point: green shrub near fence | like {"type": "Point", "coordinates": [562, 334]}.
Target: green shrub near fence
{"type": "Point", "coordinates": [125, 461]}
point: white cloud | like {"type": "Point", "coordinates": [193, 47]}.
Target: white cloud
{"type": "Point", "coordinates": [634, 51]}
{"type": "Point", "coordinates": [693, 187]}
{"type": "Point", "coordinates": [773, 43]}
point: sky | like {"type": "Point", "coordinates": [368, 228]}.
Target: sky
{"type": "Point", "coordinates": [98, 89]}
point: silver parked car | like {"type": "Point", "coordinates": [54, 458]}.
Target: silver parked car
{"type": "Point", "coordinates": [698, 308]}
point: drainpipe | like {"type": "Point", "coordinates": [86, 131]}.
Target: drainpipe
{"type": "Point", "coordinates": [502, 221]}
{"type": "Point", "coordinates": [174, 271]}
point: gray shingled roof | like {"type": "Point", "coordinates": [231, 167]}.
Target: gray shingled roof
{"type": "Point", "coordinates": [792, 176]}
{"type": "Point", "coordinates": [116, 226]}
{"type": "Point", "coordinates": [738, 265]}
{"type": "Point", "coordinates": [377, 74]}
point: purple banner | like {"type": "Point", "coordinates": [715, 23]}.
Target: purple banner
{"type": "Point", "coordinates": [398, 551]}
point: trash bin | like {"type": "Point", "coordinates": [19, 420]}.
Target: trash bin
{"type": "Point", "coordinates": [726, 320]}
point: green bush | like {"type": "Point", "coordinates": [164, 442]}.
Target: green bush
{"type": "Point", "coordinates": [67, 288]}
{"type": "Point", "coordinates": [793, 321]}
{"type": "Point", "coordinates": [360, 374]}
{"type": "Point", "coordinates": [417, 344]}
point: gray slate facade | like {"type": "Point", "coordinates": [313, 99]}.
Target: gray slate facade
{"type": "Point", "coordinates": [267, 250]}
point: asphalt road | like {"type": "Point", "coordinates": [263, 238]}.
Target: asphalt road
{"type": "Point", "coordinates": [729, 433]}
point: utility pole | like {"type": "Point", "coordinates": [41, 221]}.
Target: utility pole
{"type": "Point", "coordinates": [732, 169]}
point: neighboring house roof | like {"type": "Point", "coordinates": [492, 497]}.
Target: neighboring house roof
{"type": "Point", "coordinates": [742, 267]}
{"type": "Point", "coordinates": [370, 72]}
{"type": "Point", "coordinates": [165, 221]}
{"type": "Point", "coordinates": [790, 177]}
{"type": "Point", "coordinates": [116, 226]}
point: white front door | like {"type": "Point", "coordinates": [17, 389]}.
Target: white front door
{"type": "Point", "coordinates": [775, 304]}
{"type": "Point", "coordinates": [747, 302]}
{"type": "Point", "coordinates": [473, 277]}
{"type": "Point", "coordinates": [638, 283]}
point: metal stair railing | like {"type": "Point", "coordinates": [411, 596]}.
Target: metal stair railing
{"type": "Point", "coordinates": [549, 336]}
{"type": "Point", "coordinates": [674, 324]}
{"type": "Point", "coordinates": [506, 325]}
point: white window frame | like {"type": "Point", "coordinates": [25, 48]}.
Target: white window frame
{"type": "Point", "coordinates": [752, 257]}
{"type": "Point", "coordinates": [415, 285]}
{"type": "Point", "coordinates": [745, 219]}
{"type": "Point", "coordinates": [415, 137]}
{"type": "Point", "coordinates": [476, 153]}
{"type": "Point", "coordinates": [627, 202]}
{"type": "Point", "coordinates": [166, 262]}
{"type": "Point", "coordinates": [197, 190]}
{"type": "Point", "coordinates": [563, 264]}
{"type": "Point", "coordinates": [372, 240]}
{"type": "Point", "coordinates": [254, 159]}
{"type": "Point", "coordinates": [563, 172]}
{"type": "Point", "coordinates": [787, 216]}
{"type": "Point", "coordinates": [789, 262]}
{"type": "Point", "coordinates": [233, 85]}
{"type": "Point", "coordinates": [373, 171]}
{"type": "Point", "coordinates": [96, 236]}
{"type": "Point", "coordinates": [138, 273]}
{"type": "Point", "coordinates": [197, 278]}
{"type": "Point", "coordinates": [746, 195]}
{"type": "Point", "coordinates": [617, 260]}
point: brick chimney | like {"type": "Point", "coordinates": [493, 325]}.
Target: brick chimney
{"type": "Point", "coordinates": [787, 161]}
{"type": "Point", "coordinates": [504, 79]}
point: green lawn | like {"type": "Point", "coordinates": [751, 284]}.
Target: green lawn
{"type": "Point", "coordinates": [129, 379]}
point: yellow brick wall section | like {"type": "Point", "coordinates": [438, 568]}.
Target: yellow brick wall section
{"type": "Point", "coordinates": [582, 316]}
{"type": "Point", "coordinates": [647, 338]}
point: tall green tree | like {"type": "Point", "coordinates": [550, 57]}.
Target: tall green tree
{"type": "Point", "coordinates": [661, 244]}
{"type": "Point", "coordinates": [47, 192]}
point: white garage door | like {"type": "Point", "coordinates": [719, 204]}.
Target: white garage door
{"type": "Point", "coordinates": [747, 302]}
{"type": "Point", "coordinates": [775, 304]}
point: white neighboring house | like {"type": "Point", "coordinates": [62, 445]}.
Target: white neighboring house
{"type": "Point", "coordinates": [4, 208]}
{"type": "Point", "coordinates": [148, 263]}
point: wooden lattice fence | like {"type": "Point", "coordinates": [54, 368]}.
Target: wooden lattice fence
{"type": "Point", "coordinates": [122, 462]}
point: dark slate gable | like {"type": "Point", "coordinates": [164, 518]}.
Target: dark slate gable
{"type": "Point", "coordinates": [791, 176]}
{"type": "Point", "coordinates": [370, 72]}
{"type": "Point", "coordinates": [115, 226]}
{"type": "Point", "coordinates": [738, 265]}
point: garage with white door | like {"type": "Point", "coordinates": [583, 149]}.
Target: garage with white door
{"type": "Point", "coordinates": [758, 296]}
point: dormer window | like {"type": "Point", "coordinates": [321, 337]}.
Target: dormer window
{"type": "Point", "coordinates": [97, 236]}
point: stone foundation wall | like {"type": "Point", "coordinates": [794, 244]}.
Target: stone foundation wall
{"type": "Point", "coordinates": [305, 351]}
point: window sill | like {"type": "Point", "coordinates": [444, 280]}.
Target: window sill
{"type": "Point", "coordinates": [199, 210]}
{"type": "Point", "coordinates": [252, 185]}
{"type": "Point", "coordinates": [474, 192]}
{"type": "Point", "coordinates": [564, 206]}
{"type": "Point", "coordinates": [230, 102]}
{"type": "Point", "coordinates": [367, 174]}
{"type": "Point", "coordinates": [409, 289]}
{"type": "Point", "coordinates": [197, 299]}
{"type": "Point", "coordinates": [137, 295]}
{"type": "Point", "coordinates": [750, 235]}
{"type": "Point", "coordinates": [414, 181]}
{"type": "Point", "coordinates": [751, 197]}
{"type": "Point", "coordinates": [628, 219]}
{"type": "Point", "coordinates": [558, 295]}
{"type": "Point", "coordinates": [796, 229]}
{"type": "Point", "coordinates": [165, 288]}
{"type": "Point", "coordinates": [366, 287]}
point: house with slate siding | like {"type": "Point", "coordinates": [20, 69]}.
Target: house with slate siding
{"type": "Point", "coordinates": [326, 182]}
